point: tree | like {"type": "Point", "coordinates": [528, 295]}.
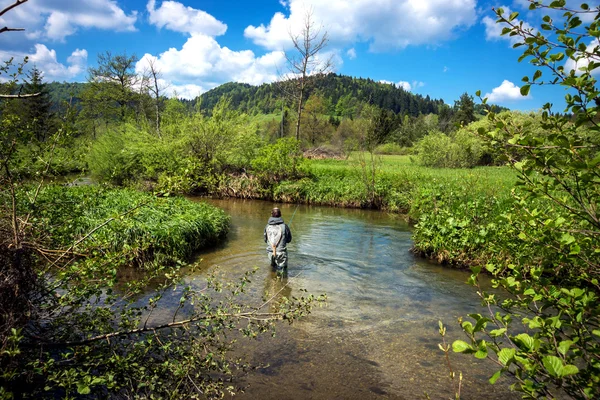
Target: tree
{"type": "Point", "coordinates": [154, 84]}
{"type": "Point", "coordinates": [112, 87]}
{"type": "Point", "coordinates": [305, 63]}
{"type": "Point", "coordinates": [464, 110]}
{"type": "Point", "coordinates": [553, 276]}
{"type": "Point", "coordinates": [315, 127]}
{"type": "Point", "coordinates": [37, 110]}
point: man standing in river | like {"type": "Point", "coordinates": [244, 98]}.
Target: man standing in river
{"type": "Point", "coordinates": [277, 235]}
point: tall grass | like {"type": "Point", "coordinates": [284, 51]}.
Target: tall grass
{"type": "Point", "coordinates": [142, 227]}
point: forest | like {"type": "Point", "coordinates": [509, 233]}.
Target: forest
{"type": "Point", "coordinates": [510, 196]}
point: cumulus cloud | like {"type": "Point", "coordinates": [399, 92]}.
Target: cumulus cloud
{"type": "Point", "coordinates": [177, 17]}
{"type": "Point", "coordinates": [46, 61]}
{"type": "Point", "coordinates": [493, 31]}
{"type": "Point", "coordinates": [351, 53]}
{"type": "Point", "coordinates": [202, 64]}
{"type": "Point", "coordinates": [57, 19]}
{"type": "Point", "coordinates": [507, 91]}
{"type": "Point", "coordinates": [385, 24]}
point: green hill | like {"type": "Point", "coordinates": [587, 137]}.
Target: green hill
{"type": "Point", "coordinates": [343, 93]}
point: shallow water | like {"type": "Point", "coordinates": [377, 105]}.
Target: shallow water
{"type": "Point", "coordinates": [378, 335]}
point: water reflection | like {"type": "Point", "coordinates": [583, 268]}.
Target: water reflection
{"type": "Point", "coordinates": [377, 337]}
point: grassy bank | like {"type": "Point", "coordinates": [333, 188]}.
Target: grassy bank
{"type": "Point", "coordinates": [138, 227]}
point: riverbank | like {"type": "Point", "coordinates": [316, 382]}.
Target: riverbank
{"type": "Point", "coordinates": [456, 213]}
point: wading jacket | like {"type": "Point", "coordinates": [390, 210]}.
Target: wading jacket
{"type": "Point", "coordinates": [277, 228]}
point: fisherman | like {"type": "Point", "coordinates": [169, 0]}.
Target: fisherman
{"type": "Point", "coordinates": [277, 236]}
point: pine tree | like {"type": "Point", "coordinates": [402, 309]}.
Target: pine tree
{"type": "Point", "coordinates": [37, 113]}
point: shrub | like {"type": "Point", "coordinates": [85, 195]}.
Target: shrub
{"type": "Point", "coordinates": [279, 161]}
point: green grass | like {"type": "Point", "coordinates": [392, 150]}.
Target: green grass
{"type": "Point", "coordinates": [141, 228]}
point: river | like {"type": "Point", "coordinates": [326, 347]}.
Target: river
{"type": "Point", "coordinates": [377, 337]}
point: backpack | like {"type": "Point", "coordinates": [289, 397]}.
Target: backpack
{"type": "Point", "coordinates": [274, 235]}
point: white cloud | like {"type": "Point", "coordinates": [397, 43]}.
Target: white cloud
{"type": "Point", "coordinates": [187, 91]}
{"type": "Point", "coordinates": [404, 85]}
{"type": "Point", "coordinates": [408, 86]}
{"type": "Point", "coordinates": [584, 61]}
{"type": "Point", "coordinates": [493, 30]}
{"type": "Point", "coordinates": [177, 17]}
{"type": "Point", "coordinates": [57, 19]}
{"type": "Point", "coordinates": [202, 64]}
{"type": "Point", "coordinates": [385, 24]}
{"type": "Point", "coordinates": [351, 53]}
{"type": "Point", "coordinates": [446, 69]}
{"type": "Point", "coordinates": [45, 60]}
{"type": "Point", "coordinates": [507, 91]}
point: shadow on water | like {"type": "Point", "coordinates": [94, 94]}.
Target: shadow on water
{"type": "Point", "coordinates": [378, 335]}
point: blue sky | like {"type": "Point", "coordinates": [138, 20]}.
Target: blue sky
{"type": "Point", "coordinates": [440, 48]}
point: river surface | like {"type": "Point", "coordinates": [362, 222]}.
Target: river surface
{"type": "Point", "coordinates": [377, 337]}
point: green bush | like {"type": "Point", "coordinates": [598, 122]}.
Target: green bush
{"type": "Point", "coordinates": [278, 161]}
{"type": "Point", "coordinates": [436, 150]}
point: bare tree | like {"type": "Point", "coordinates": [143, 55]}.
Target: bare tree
{"type": "Point", "coordinates": [152, 80]}
{"type": "Point", "coordinates": [303, 61]}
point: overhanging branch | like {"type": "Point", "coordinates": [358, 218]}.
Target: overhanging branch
{"type": "Point", "coordinates": [15, 4]}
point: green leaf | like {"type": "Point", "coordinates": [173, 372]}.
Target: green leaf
{"type": "Point", "coordinates": [553, 365]}
{"type": "Point", "coordinates": [481, 354]}
{"type": "Point", "coordinates": [525, 90]}
{"type": "Point", "coordinates": [460, 346]}
{"type": "Point", "coordinates": [495, 377]}
{"type": "Point", "coordinates": [564, 346]}
{"type": "Point", "coordinates": [506, 355]}
{"type": "Point", "coordinates": [497, 332]}
{"type": "Point", "coordinates": [570, 370]}
{"type": "Point", "coordinates": [468, 327]}
{"type": "Point", "coordinates": [83, 388]}
{"type": "Point", "coordinates": [524, 341]}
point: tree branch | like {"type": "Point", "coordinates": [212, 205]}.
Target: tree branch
{"type": "Point", "coordinates": [18, 96]}
{"type": "Point", "coordinates": [15, 4]}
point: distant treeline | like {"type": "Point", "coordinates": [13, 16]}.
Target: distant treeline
{"type": "Point", "coordinates": [343, 95]}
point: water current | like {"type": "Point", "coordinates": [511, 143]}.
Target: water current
{"type": "Point", "coordinates": [377, 337]}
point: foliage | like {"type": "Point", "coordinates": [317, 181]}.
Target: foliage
{"type": "Point", "coordinates": [437, 150]}
{"type": "Point", "coordinates": [278, 161]}
{"type": "Point", "coordinates": [191, 155]}
{"type": "Point", "coordinates": [464, 110]}
{"type": "Point", "coordinates": [545, 333]}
